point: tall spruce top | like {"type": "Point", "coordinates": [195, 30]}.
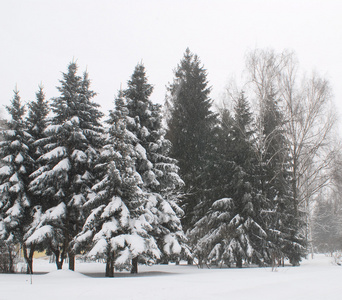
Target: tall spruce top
{"type": "Point", "coordinates": [137, 95]}
{"type": "Point", "coordinates": [37, 114]}
{"type": "Point", "coordinates": [190, 118]}
{"type": "Point", "coordinates": [16, 110]}
{"type": "Point", "coordinates": [75, 99]}
{"type": "Point", "coordinates": [243, 116]}
{"type": "Point", "coordinates": [138, 88]}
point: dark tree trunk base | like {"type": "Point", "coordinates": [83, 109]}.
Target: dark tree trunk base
{"type": "Point", "coordinates": [239, 263]}
{"type": "Point", "coordinates": [28, 255]}
{"type": "Point", "coordinates": [71, 262]}
{"type": "Point", "coordinates": [110, 265]}
{"type": "Point", "coordinates": [59, 265]}
{"type": "Point", "coordinates": [134, 269]}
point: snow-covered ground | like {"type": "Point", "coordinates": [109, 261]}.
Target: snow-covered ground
{"type": "Point", "coordinates": [314, 279]}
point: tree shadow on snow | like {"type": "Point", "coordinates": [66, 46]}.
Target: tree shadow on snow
{"type": "Point", "coordinates": [119, 274]}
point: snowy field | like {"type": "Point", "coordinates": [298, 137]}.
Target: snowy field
{"type": "Point", "coordinates": [315, 279]}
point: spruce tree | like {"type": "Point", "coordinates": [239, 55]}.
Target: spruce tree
{"type": "Point", "coordinates": [283, 220]}
{"type": "Point", "coordinates": [190, 130]}
{"type": "Point", "coordinates": [158, 171]}
{"type": "Point", "coordinates": [117, 228]}
{"type": "Point", "coordinates": [231, 231]}
{"type": "Point", "coordinates": [36, 120]}
{"type": "Point", "coordinates": [15, 201]}
{"type": "Point", "coordinates": [66, 174]}
{"type": "Point", "coordinates": [247, 226]}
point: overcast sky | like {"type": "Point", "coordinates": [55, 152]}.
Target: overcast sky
{"type": "Point", "coordinates": [108, 38]}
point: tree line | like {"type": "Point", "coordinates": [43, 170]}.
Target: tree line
{"type": "Point", "coordinates": [231, 186]}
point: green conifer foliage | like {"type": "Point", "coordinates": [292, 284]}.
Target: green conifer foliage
{"type": "Point", "coordinates": [190, 130]}
{"type": "Point", "coordinates": [16, 165]}
{"type": "Point", "coordinates": [158, 170]}
{"type": "Point", "coordinates": [117, 228]}
{"type": "Point", "coordinates": [66, 174]}
{"type": "Point", "coordinates": [283, 220]}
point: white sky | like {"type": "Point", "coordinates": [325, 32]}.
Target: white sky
{"type": "Point", "coordinates": [38, 38]}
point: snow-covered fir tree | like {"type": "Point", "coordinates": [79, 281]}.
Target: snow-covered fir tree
{"type": "Point", "coordinates": [231, 231]}
{"type": "Point", "coordinates": [65, 177]}
{"type": "Point", "coordinates": [16, 165]}
{"type": "Point", "coordinates": [118, 227]}
{"type": "Point", "coordinates": [36, 120]}
{"type": "Point", "coordinates": [159, 172]}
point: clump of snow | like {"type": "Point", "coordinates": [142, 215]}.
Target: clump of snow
{"type": "Point", "coordinates": [16, 188]}
{"type": "Point", "coordinates": [19, 158]}
{"type": "Point", "coordinates": [15, 210]}
{"type": "Point", "coordinates": [79, 156]}
{"type": "Point", "coordinates": [124, 257]}
{"type": "Point", "coordinates": [14, 178]}
{"type": "Point", "coordinates": [57, 212]}
{"type": "Point", "coordinates": [141, 151]}
{"type": "Point", "coordinates": [171, 245]}
{"type": "Point", "coordinates": [15, 144]}
{"type": "Point", "coordinates": [77, 200]}
{"type": "Point", "coordinates": [40, 235]}
{"type": "Point", "coordinates": [5, 170]}
{"type": "Point", "coordinates": [136, 244]}
{"type": "Point", "coordinates": [10, 132]}
{"type": "Point", "coordinates": [112, 207]}
{"type": "Point", "coordinates": [99, 248]}
{"type": "Point", "coordinates": [144, 132]}
{"type": "Point", "coordinates": [63, 165]}
{"type": "Point", "coordinates": [75, 120]}
{"type": "Point", "coordinates": [55, 153]}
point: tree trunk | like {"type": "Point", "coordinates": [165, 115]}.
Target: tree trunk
{"type": "Point", "coordinates": [29, 269]}
{"type": "Point", "coordinates": [59, 264]}
{"type": "Point", "coordinates": [134, 269]}
{"type": "Point", "coordinates": [29, 258]}
{"type": "Point", "coordinates": [110, 264]}
{"type": "Point", "coordinates": [239, 262]}
{"type": "Point", "coordinates": [59, 259]}
{"type": "Point", "coordinates": [71, 261]}
{"type": "Point", "coordinates": [10, 259]}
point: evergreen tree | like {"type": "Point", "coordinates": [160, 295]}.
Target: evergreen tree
{"type": "Point", "coordinates": [232, 230]}
{"type": "Point", "coordinates": [118, 228]}
{"type": "Point", "coordinates": [36, 124]}
{"type": "Point", "coordinates": [190, 130]}
{"type": "Point", "coordinates": [66, 175]}
{"type": "Point", "coordinates": [15, 201]}
{"type": "Point", "coordinates": [279, 210]}
{"type": "Point", "coordinates": [158, 171]}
